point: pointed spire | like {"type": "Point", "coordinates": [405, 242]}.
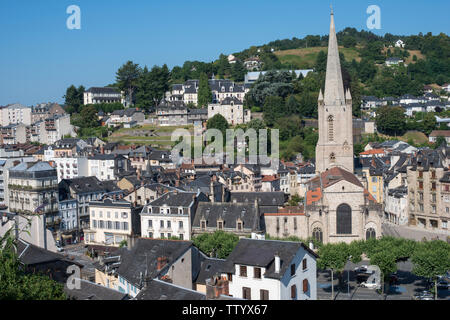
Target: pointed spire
{"type": "Point", "coordinates": [348, 95]}
{"type": "Point", "coordinates": [320, 95]}
{"type": "Point", "coordinates": [334, 87]}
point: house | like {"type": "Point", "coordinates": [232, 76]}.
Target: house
{"type": "Point", "coordinates": [15, 114]}
{"type": "Point", "coordinates": [126, 116]}
{"type": "Point", "coordinates": [446, 87]}
{"type": "Point", "coordinates": [285, 222]}
{"type": "Point", "coordinates": [393, 61]}
{"type": "Point", "coordinates": [96, 95]}
{"type": "Point", "coordinates": [395, 205]}
{"type": "Point", "coordinates": [242, 219]}
{"type": "Point", "coordinates": [68, 147]}
{"type": "Point", "coordinates": [267, 201]}
{"type": "Point", "coordinates": [271, 270]}
{"type": "Point", "coordinates": [83, 190]}
{"type": "Point", "coordinates": [144, 194]}
{"type": "Point", "coordinates": [45, 110]}
{"type": "Point", "coordinates": [252, 76]}
{"type": "Point", "coordinates": [111, 222]}
{"type": "Point", "coordinates": [253, 63]}
{"type": "Point", "coordinates": [174, 261]}
{"type": "Point", "coordinates": [370, 102]}
{"type": "Point", "coordinates": [399, 44]}
{"type": "Point", "coordinates": [439, 133]}
{"type": "Point", "coordinates": [171, 215]}
{"type": "Point", "coordinates": [232, 109]}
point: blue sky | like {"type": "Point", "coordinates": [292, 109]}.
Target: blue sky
{"type": "Point", "coordinates": [40, 57]}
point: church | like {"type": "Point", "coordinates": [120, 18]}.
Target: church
{"type": "Point", "coordinates": [337, 206]}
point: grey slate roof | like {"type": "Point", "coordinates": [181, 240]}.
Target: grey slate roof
{"type": "Point", "coordinates": [143, 256]}
{"type": "Point", "coordinates": [264, 198]}
{"type": "Point", "coordinates": [229, 213]}
{"type": "Point", "coordinates": [92, 291]}
{"type": "Point", "coordinates": [209, 267]}
{"type": "Point", "coordinates": [160, 290]}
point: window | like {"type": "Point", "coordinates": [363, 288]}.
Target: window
{"type": "Point", "coordinates": [243, 271]}
{"type": "Point", "coordinates": [295, 223]}
{"type": "Point", "coordinates": [344, 219]}
{"type": "Point", "coordinates": [220, 225]}
{"type": "Point", "coordinates": [264, 294]}
{"type": "Point", "coordinates": [370, 234]}
{"type": "Point", "coordinates": [109, 225]}
{"type": "Point", "coordinates": [374, 179]}
{"type": "Point", "coordinates": [94, 224]}
{"type": "Point", "coordinates": [203, 225]}
{"type": "Point", "coordinates": [117, 225]}
{"type": "Point", "coordinates": [150, 234]}
{"type": "Point", "coordinates": [257, 273]}
{"type": "Point", "coordinates": [181, 236]}
{"type": "Point", "coordinates": [169, 225]}
{"type": "Point", "coordinates": [162, 235]}
{"type": "Point", "coordinates": [444, 224]}
{"type": "Point", "coordinates": [330, 128]}
{"type": "Point", "coordinates": [318, 234]}
{"type": "Point", "coordinates": [293, 269]}
{"type": "Point", "coordinates": [230, 276]}
{"type": "Point", "coordinates": [305, 264]}
{"type": "Point", "coordinates": [239, 225]}
{"type": "Point", "coordinates": [161, 224]}
{"type": "Point", "coordinates": [294, 291]}
{"type": "Point", "coordinates": [305, 285]}
{"type": "Point", "coordinates": [124, 225]}
{"type": "Point", "coordinates": [246, 293]}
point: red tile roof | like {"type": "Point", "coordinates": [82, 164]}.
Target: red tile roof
{"type": "Point", "coordinates": [373, 151]}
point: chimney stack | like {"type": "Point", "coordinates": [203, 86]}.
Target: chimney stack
{"type": "Point", "coordinates": [161, 262]}
{"type": "Point", "coordinates": [277, 263]}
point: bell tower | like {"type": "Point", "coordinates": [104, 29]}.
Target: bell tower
{"type": "Point", "coordinates": [335, 145]}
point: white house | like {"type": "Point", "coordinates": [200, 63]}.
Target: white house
{"type": "Point", "coordinates": [395, 208]}
{"type": "Point", "coordinates": [271, 270]}
{"type": "Point", "coordinates": [232, 109]}
{"type": "Point", "coordinates": [399, 44]}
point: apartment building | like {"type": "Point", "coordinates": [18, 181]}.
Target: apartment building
{"type": "Point", "coordinates": [111, 222]}
{"type": "Point", "coordinates": [96, 95]}
{"type": "Point", "coordinates": [426, 191]}
{"type": "Point", "coordinates": [232, 109]}
{"type": "Point", "coordinates": [15, 114]}
{"type": "Point", "coordinates": [33, 188]}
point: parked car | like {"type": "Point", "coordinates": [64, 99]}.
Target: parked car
{"type": "Point", "coordinates": [393, 278]}
{"type": "Point", "coordinates": [370, 285]}
{"type": "Point", "coordinates": [59, 249]}
{"type": "Point", "coordinates": [424, 295]}
{"type": "Point", "coordinates": [443, 284]}
{"type": "Point", "coordinates": [361, 269]}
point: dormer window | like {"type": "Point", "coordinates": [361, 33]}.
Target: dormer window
{"type": "Point", "coordinates": [239, 225]}
{"type": "Point", "coordinates": [203, 224]}
{"type": "Point", "coordinates": [220, 224]}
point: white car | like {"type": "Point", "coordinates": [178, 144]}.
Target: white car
{"type": "Point", "coordinates": [370, 285]}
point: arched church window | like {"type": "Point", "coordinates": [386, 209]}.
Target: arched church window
{"type": "Point", "coordinates": [344, 219]}
{"type": "Point", "coordinates": [370, 233]}
{"type": "Point", "coordinates": [318, 234]}
{"type": "Point", "coordinates": [330, 128]}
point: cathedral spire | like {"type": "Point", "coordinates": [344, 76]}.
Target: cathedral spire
{"type": "Point", "coordinates": [334, 88]}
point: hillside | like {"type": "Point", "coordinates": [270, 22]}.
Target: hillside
{"type": "Point", "coordinates": [305, 58]}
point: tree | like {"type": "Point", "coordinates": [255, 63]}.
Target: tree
{"type": "Point", "coordinates": [429, 123]}
{"type": "Point", "coordinates": [16, 284]}
{"type": "Point", "coordinates": [127, 78]}
{"type": "Point", "coordinates": [391, 120]}
{"type": "Point", "coordinates": [89, 117]}
{"type": "Point", "coordinates": [238, 71]}
{"type": "Point", "coordinates": [273, 109]}
{"type": "Point", "coordinates": [151, 86]}
{"type": "Point", "coordinates": [386, 261]}
{"type": "Point", "coordinates": [74, 99]}
{"type": "Point", "coordinates": [431, 259]}
{"type": "Point", "coordinates": [334, 258]}
{"type": "Point", "coordinates": [218, 122]}
{"type": "Point", "coordinates": [218, 244]}
{"type": "Point", "coordinates": [321, 61]}
{"type": "Point", "coordinates": [204, 91]}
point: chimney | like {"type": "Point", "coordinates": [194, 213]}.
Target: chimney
{"type": "Point", "coordinates": [215, 287]}
{"type": "Point", "coordinates": [277, 263]}
{"type": "Point", "coordinates": [102, 150]}
{"type": "Point", "coordinates": [160, 263]}
{"type": "Point", "coordinates": [211, 190]}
